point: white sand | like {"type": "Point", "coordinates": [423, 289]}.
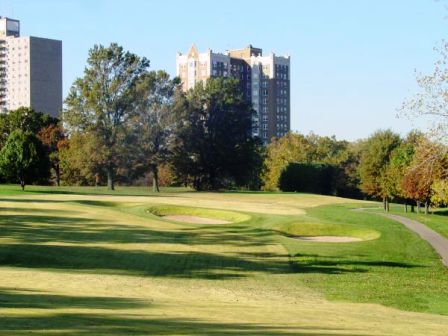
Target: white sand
{"type": "Point", "coordinates": [195, 219]}
{"type": "Point", "coordinates": [329, 239]}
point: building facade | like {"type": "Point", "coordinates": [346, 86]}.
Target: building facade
{"type": "Point", "coordinates": [264, 82]}
{"type": "Point", "coordinates": [30, 70]}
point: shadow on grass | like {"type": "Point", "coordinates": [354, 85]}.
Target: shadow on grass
{"type": "Point", "coordinates": [23, 298]}
{"type": "Point", "coordinates": [175, 264]}
{"type": "Point", "coordinates": [95, 324]}
{"type": "Point", "coordinates": [31, 228]}
{"type": "Point", "coordinates": [313, 263]}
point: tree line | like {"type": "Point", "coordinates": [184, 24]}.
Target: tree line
{"type": "Point", "coordinates": [123, 123]}
{"type": "Point", "coordinates": [411, 170]}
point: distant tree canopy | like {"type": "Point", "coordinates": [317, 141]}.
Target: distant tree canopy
{"type": "Point", "coordinates": [213, 146]}
{"type": "Point", "coordinates": [309, 149]}
{"type": "Point", "coordinates": [375, 158]}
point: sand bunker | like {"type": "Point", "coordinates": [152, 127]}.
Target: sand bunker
{"type": "Point", "coordinates": [195, 219]}
{"type": "Point", "coordinates": [328, 239]}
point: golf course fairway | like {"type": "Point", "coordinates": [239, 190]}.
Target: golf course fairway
{"type": "Point", "coordinates": [83, 261]}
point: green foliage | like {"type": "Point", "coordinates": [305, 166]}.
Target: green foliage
{"type": "Point", "coordinates": [213, 145]}
{"type": "Point", "coordinates": [294, 147]}
{"type": "Point", "coordinates": [152, 126]}
{"type": "Point", "coordinates": [309, 178]}
{"type": "Point", "coordinates": [82, 160]}
{"type": "Point", "coordinates": [24, 119]}
{"type": "Point", "coordinates": [24, 159]}
{"type": "Point", "coordinates": [104, 100]}
{"type": "Point", "coordinates": [375, 158]}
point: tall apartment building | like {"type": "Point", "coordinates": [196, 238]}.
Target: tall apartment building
{"type": "Point", "coordinates": [264, 81]}
{"type": "Point", "coordinates": [30, 70]}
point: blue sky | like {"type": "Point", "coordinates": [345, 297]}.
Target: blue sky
{"type": "Point", "coordinates": [353, 61]}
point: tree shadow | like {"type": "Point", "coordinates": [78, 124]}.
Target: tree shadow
{"type": "Point", "coordinates": [95, 324]}
{"type": "Point", "coordinates": [313, 263]}
{"type": "Point", "coordinates": [174, 264]}
{"type": "Point", "coordinates": [443, 212]}
{"type": "Point", "coordinates": [32, 228]}
{"type": "Point", "coordinates": [25, 299]}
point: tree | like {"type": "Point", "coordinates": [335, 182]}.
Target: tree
{"type": "Point", "coordinates": [23, 158]}
{"type": "Point", "coordinates": [400, 160]}
{"type": "Point", "coordinates": [103, 101]}
{"type": "Point", "coordinates": [426, 168]}
{"type": "Point", "coordinates": [375, 157]}
{"type": "Point", "coordinates": [81, 159]}
{"type": "Point", "coordinates": [213, 145]}
{"type": "Point", "coordinates": [24, 119]}
{"type": "Point", "coordinates": [298, 148]}
{"type": "Point", "coordinates": [153, 124]}
{"type": "Point", "coordinates": [52, 137]}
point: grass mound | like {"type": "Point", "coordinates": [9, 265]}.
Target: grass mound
{"type": "Point", "coordinates": [171, 210]}
{"type": "Point", "coordinates": [323, 229]}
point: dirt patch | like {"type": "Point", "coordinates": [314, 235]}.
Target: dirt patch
{"type": "Point", "coordinates": [195, 219]}
{"type": "Point", "coordinates": [328, 239]}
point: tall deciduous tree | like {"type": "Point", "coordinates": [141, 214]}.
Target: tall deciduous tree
{"type": "Point", "coordinates": [214, 147]}
{"type": "Point", "coordinates": [23, 158]}
{"type": "Point", "coordinates": [153, 124]}
{"type": "Point", "coordinates": [103, 101]}
{"type": "Point", "coordinates": [375, 157]}
{"type": "Point", "coordinates": [400, 160]}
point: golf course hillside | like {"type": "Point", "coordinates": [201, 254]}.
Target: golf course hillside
{"type": "Point", "coordinates": [87, 261]}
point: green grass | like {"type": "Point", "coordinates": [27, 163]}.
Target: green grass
{"type": "Point", "coordinates": [310, 229]}
{"type": "Point", "coordinates": [80, 262]}
{"type": "Point", "coordinates": [230, 216]}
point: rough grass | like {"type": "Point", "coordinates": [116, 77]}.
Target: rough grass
{"type": "Point", "coordinates": [89, 264]}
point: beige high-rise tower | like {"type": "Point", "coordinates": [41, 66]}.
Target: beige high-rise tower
{"type": "Point", "coordinates": [30, 70]}
{"type": "Point", "coordinates": [264, 81]}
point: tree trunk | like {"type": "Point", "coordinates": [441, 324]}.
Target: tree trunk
{"type": "Point", "coordinates": [58, 175]}
{"type": "Point", "coordinates": [418, 207]}
{"type": "Point", "coordinates": [155, 179]}
{"type": "Point", "coordinates": [406, 206]}
{"type": "Point", "coordinates": [412, 208]}
{"type": "Point", "coordinates": [426, 206]}
{"type": "Point", "coordinates": [22, 179]}
{"type": "Point", "coordinates": [387, 204]}
{"type": "Point", "coordinates": [110, 179]}
{"type": "Point", "coordinates": [384, 203]}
